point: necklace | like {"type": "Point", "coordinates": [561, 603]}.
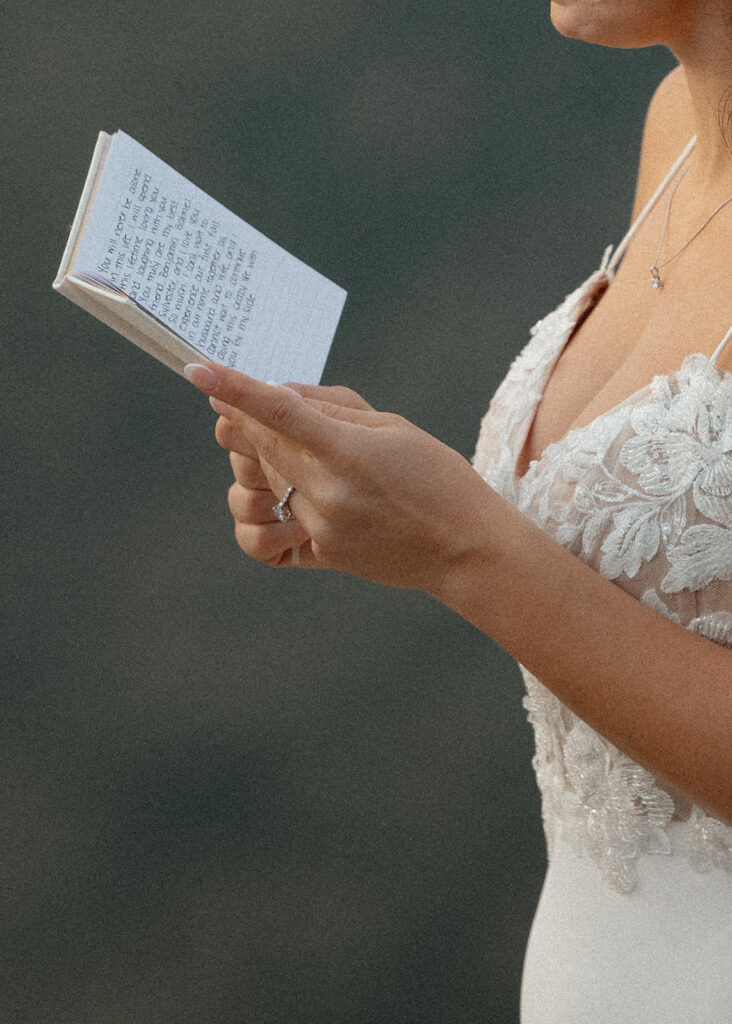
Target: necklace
{"type": "Point", "coordinates": [656, 281]}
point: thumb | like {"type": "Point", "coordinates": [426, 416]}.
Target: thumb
{"type": "Point", "coordinates": [346, 414]}
{"type": "Point", "coordinates": [350, 410]}
{"type": "Point", "coordinates": [335, 393]}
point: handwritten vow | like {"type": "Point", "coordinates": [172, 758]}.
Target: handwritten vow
{"type": "Point", "coordinates": [224, 287]}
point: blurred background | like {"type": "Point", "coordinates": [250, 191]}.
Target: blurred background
{"type": "Point", "coordinates": [229, 794]}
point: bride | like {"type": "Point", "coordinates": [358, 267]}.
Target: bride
{"type": "Point", "coordinates": [591, 538]}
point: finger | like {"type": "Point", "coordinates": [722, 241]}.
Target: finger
{"type": "Point", "coordinates": [268, 542]}
{"type": "Point", "coordinates": [231, 434]}
{"type": "Point", "coordinates": [222, 408]}
{"type": "Point", "coordinates": [335, 394]}
{"type": "Point", "coordinates": [277, 483]}
{"type": "Point", "coordinates": [252, 466]}
{"type": "Point", "coordinates": [298, 557]}
{"type": "Point", "coordinates": [255, 507]}
{"type": "Point", "coordinates": [301, 557]}
{"type": "Point", "coordinates": [257, 475]}
{"type": "Point", "coordinates": [248, 471]}
{"type": "Point", "coordinates": [249, 506]}
{"type": "Point", "coordinates": [231, 418]}
{"type": "Point", "coordinates": [273, 407]}
{"type": "Point", "coordinates": [277, 460]}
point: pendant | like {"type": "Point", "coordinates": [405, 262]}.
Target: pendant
{"type": "Point", "coordinates": [656, 281]}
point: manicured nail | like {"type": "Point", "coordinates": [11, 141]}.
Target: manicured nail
{"type": "Point", "coordinates": [284, 388]}
{"type": "Point", "coordinates": [221, 407]}
{"type": "Point", "coordinates": [201, 376]}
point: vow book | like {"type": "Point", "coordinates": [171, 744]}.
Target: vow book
{"type": "Point", "coordinates": [178, 274]}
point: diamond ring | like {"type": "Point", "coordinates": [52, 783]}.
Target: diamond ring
{"type": "Point", "coordinates": [282, 509]}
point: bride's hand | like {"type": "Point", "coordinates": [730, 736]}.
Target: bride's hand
{"type": "Point", "coordinates": [257, 487]}
{"type": "Point", "coordinates": [374, 495]}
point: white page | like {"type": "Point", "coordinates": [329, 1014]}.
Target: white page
{"type": "Point", "coordinates": [224, 287]}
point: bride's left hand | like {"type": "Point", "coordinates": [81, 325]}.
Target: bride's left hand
{"type": "Point", "coordinates": [375, 496]}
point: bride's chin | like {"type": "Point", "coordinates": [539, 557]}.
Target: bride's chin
{"type": "Point", "coordinates": [583, 19]}
{"type": "Point", "coordinates": [569, 19]}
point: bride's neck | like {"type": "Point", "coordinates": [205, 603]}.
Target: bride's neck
{"type": "Point", "coordinates": [707, 60]}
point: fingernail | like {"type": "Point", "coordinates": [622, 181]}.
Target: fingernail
{"type": "Point", "coordinates": [284, 388]}
{"type": "Point", "coordinates": [221, 407]}
{"type": "Point", "coordinates": [201, 376]}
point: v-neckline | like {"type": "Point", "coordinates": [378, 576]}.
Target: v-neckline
{"type": "Point", "coordinates": [607, 268]}
{"type": "Point", "coordinates": [519, 480]}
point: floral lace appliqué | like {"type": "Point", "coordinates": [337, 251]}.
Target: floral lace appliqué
{"type": "Point", "coordinates": [643, 494]}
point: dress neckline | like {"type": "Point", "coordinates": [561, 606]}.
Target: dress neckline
{"type": "Point", "coordinates": [518, 480]}
{"type": "Point", "coordinates": [605, 273]}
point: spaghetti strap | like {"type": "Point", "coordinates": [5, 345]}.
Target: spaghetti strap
{"type": "Point", "coordinates": [611, 266]}
{"type": "Point", "coordinates": [721, 347]}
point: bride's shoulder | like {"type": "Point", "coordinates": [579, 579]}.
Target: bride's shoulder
{"type": "Point", "coordinates": [668, 127]}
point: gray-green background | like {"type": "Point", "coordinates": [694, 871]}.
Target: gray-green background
{"type": "Point", "coordinates": [234, 795]}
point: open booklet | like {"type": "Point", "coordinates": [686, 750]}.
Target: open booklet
{"type": "Point", "coordinates": [178, 274]}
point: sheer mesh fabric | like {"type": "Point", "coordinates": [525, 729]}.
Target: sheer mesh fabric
{"type": "Point", "coordinates": [643, 495]}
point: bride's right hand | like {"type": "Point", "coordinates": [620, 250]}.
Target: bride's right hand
{"type": "Point", "coordinates": [257, 488]}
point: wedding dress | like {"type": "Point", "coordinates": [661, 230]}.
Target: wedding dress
{"type": "Point", "coordinates": [634, 923]}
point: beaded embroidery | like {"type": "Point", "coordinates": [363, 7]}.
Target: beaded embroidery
{"type": "Point", "coordinates": [642, 494]}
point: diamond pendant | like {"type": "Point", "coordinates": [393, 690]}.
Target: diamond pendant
{"type": "Point", "coordinates": [656, 281]}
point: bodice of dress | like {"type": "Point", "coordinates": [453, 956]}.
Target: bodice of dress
{"type": "Point", "coordinates": [643, 495]}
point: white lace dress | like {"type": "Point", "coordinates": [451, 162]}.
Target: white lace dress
{"type": "Point", "coordinates": [634, 924]}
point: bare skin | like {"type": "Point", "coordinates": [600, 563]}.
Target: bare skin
{"type": "Point", "coordinates": [379, 498]}
{"type": "Point", "coordinates": [634, 331]}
